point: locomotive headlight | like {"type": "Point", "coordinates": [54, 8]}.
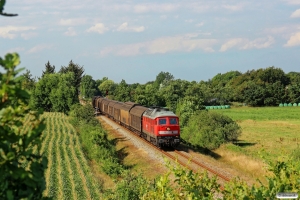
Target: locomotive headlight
{"type": "Point", "coordinates": [168, 128]}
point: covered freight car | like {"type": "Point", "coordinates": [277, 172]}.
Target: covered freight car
{"type": "Point", "coordinates": [136, 118]}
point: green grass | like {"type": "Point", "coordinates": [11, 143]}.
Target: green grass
{"type": "Point", "coordinates": [272, 132]}
{"type": "Point", "coordinates": [262, 114]}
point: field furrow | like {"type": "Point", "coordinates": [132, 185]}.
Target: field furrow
{"type": "Point", "coordinates": [68, 175]}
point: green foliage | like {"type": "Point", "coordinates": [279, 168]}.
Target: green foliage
{"type": "Point", "coordinates": [49, 69]}
{"type": "Point", "coordinates": [21, 167]}
{"type": "Point", "coordinates": [107, 87]}
{"type": "Point", "coordinates": [64, 95]}
{"type": "Point", "coordinates": [130, 187]}
{"type": "Point", "coordinates": [94, 140]}
{"type": "Point", "coordinates": [88, 87]}
{"type": "Point", "coordinates": [186, 107]}
{"type": "Point", "coordinates": [2, 3]}
{"type": "Point", "coordinates": [55, 92]}
{"type": "Point", "coordinates": [173, 91]}
{"type": "Point", "coordinates": [147, 95]}
{"type": "Point", "coordinates": [163, 78]}
{"type": "Point", "coordinates": [162, 189]}
{"type": "Point", "coordinates": [78, 73]}
{"type": "Point", "coordinates": [210, 130]}
{"type": "Point", "coordinates": [41, 94]}
{"type": "Point", "coordinates": [122, 92]}
{"type": "Point", "coordinates": [285, 178]}
{"type": "Point", "coordinates": [28, 81]}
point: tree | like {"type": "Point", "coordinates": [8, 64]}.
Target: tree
{"type": "Point", "coordinates": [254, 94]}
{"type": "Point", "coordinates": [42, 91]}
{"type": "Point", "coordinates": [88, 87]}
{"type": "Point", "coordinates": [122, 92]}
{"type": "Point", "coordinates": [49, 69]}
{"type": "Point", "coordinates": [28, 81]}
{"type": "Point", "coordinates": [78, 73]}
{"type": "Point", "coordinates": [21, 168]}
{"type": "Point", "coordinates": [64, 95]}
{"type": "Point", "coordinates": [163, 78]}
{"type": "Point", "coordinates": [173, 92]}
{"type": "Point", "coordinates": [55, 92]}
{"type": "Point", "coordinates": [107, 87]}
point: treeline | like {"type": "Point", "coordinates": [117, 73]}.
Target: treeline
{"type": "Point", "coordinates": [58, 91]}
{"type": "Point", "coordinates": [262, 87]}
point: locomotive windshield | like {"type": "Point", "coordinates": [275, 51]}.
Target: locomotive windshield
{"type": "Point", "coordinates": [173, 121]}
{"type": "Point", "coordinates": [162, 121]}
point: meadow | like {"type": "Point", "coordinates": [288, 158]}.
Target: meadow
{"type": "Point", "coordinates": [267, 132]}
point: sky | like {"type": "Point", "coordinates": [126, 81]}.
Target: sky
{"type": "Point", "coordinates": [134, 40]}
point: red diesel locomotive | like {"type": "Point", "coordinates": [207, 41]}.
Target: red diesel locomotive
{"type": "Point", "coordinates": [155, 124]}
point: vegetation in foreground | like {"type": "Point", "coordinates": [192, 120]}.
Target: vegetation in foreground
{"type": "Point", "coordinates": [21, 166]}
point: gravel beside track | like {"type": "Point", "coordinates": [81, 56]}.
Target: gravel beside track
{"type": "Point", "coordinates": [138, 143]}
{"type": "Point", "coordinates": [158, 156]}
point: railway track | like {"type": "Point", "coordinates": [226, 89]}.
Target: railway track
{"type": "Point", "coordinates": [183, 158]}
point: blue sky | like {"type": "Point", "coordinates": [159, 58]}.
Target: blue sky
{"type": "Point", "coordinates": [135, 40]}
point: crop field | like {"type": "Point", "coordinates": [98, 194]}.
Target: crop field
{"type": "Point", "coordinates": [268, 132]}
{"type": "Point", "coordinates": [68, 175]}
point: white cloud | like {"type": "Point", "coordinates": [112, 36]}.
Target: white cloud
{"type": "Point", "coordinates": [39, 48]}
{"type": "Point", "coordinates": [12, 32]}
{"type": "Point", "coordinates": [259, 43]}
{"type": "Point", "coordinates": [189, 20]}
{"type": "Point", "coordinates": [28, 35]}
{"type": "Point", "coordinates": [296, 14]}
{"type": "Point", "coordinates": [124, 27]}
{"type": "Point", "coordinates": [98, 28]}
{"type": "Point", "coordinates": [232, 43]}
{"type": "Point", "coordinates": [143, 8]}
{"type": "Point", "coordinates": [183, 43]}
{"type": "Point", "coordinates": [294, 40]}
{"type": "Point", "coordinates": [233, 7]}
{"type": "Point", "coordinates": [293, 2]}
{"type": "Point", "coordinates": [200, 24]}
{"type": "Point", "coordinates": [72, 22]}
{"type": "Point", "coordinates": [70, 32]}
{"type": "Point", "coordinates": [242, 43]}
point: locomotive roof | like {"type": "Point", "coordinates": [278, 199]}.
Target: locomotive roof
{"type": "Point", "coordinates": [158, 112]}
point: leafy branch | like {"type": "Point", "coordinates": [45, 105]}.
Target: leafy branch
{"type": "Point", "coordinates": [2, 3]}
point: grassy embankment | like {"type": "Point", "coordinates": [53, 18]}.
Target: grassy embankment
{"type": "Point", "coordinates": [267, 133]}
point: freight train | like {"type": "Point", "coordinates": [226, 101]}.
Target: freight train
{"type": "Point", "coordinates": [155, 124]}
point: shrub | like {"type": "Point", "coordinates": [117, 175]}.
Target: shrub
{"type": "Point", "coordinates": [210, 130]}
{"type": "Point", "coordinates": [94, 139]}
{"type": "Point", "coordinates": [21, 168]}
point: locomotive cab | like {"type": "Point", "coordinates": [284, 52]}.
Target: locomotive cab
{"type": "Point", "coordinates": [168, 131]}
{"type": "Point", "coordinates": [162, 126]}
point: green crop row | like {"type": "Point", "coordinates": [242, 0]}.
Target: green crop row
{"type": "Point", "coordinates": [68, 175]}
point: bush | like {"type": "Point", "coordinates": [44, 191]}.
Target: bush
{"type": "Point", "coordinates": [210, 130]}
{"type": "Point", "coordinates": [130, 187]}
{"type": "Point", "coordinates": [21, 166]}
{"type": "Point", "coordinates": [94, 139]}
